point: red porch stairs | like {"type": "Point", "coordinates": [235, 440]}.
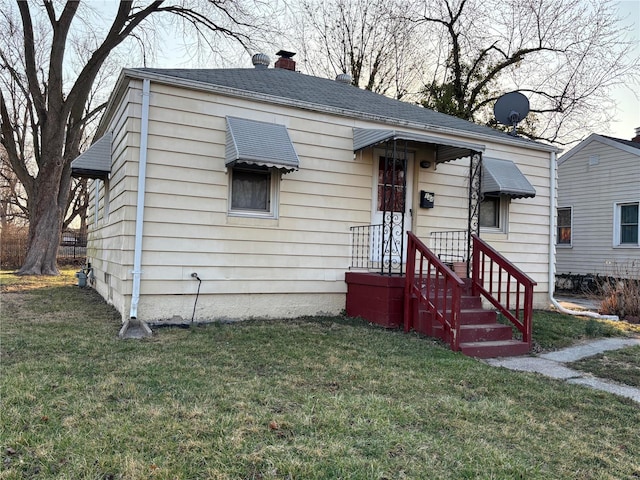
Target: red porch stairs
{"type": "Point", "coordinates": [433, 300]}
{"type": "Point", "coordinates": [480, 334]}
{"type": "Point", "coordinates": [438, 303]}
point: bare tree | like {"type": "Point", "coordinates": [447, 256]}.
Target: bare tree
{"type": "Point", "coordinates": [565, 55]}
{"type": "Point", "coordinates": [13, 203]}
{"type": "Point", "coordinates": [43, 108]}
{"type": "Point", "coordinates": [77, 204]}
{"type": "Point", "coordinates": [360, 37]}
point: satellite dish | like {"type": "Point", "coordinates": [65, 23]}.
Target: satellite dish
{"type": "Point", "coordinates": [510, 109]}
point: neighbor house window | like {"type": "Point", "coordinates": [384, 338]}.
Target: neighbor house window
{"type": "Point", "coordinates": [494, 212]}
{"type": "Point", "coordinates": [565, 216]}
{"type": "Point", "coordinates": [253, 191]}
{"type": "Point", "coordinates": [626, 224]}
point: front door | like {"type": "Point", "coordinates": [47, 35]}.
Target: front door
{"type": "Point", "coordinates": [391, 208]}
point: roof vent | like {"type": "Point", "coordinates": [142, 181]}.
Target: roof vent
{"type": "Point", "coordinates": [637, 137]}
{"type": "Point", "coordinates": [285, 61]}
{"type": "Point", "coordinates": [343, 78]}
{"type": "Point", "coordinates": [260, 60]}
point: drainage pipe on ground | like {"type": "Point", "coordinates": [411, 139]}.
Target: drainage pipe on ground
{"type": "Point", "coordinates": [552, 252]}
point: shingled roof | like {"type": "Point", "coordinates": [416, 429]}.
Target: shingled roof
{"type": "Point", "coordinates": [315, 93]}
{"type": "Point", "coordinates": [628, 143]}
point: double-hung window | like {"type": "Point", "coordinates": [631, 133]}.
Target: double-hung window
{"type": "Point", "coordinates": [565, 218]}
{"type": "Point", "coordinates": [254, 191]}
{"type": "Point", "coordinates": [494, 210]}
{"type": "Point", "coordinates": [626, 227]}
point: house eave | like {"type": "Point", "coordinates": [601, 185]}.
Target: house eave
{"type": "Point", "coordinates": [91, 174]}
{"type": "Point", "coordinates": [114, 99]}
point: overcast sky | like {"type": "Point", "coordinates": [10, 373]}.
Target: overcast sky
{"type": "Point", "coordinates": [628, 115]}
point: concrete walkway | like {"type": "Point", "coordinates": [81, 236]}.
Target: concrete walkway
{"type": "Point", "coordinates": [552, 365]}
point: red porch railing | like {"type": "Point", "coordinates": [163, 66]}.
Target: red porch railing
{"type": "Point", "coordinates": [432, 284]}
{"type": "Point", "coordinates": [505, 286]}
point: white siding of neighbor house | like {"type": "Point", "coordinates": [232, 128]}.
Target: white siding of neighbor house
{"type": "Point", "coordinates": [289, 266]}
{"type": "Point", "coordinates": [592, 191]}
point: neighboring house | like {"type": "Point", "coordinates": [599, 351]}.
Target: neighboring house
{"type": "Point", "coordinates": [598, 223]}
{"type": "Point", "coordinates": [231, 193]}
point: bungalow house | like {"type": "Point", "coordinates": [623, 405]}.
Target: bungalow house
{"type": "Point", "coordinates": [264, 192]}
{"type": "Point", "coordinates": [598, 210]}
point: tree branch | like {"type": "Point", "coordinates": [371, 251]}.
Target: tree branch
{"type": "Point", "coordinates": [8, 140]}
{"type": "Point", "coordinates": [60, 32]}
{"type": "Point", "coordinates": [30, 61]}
{"type": "Point", "coordinates": [492, 73]}
{"type": "Point", "coordinates": [48, 5]}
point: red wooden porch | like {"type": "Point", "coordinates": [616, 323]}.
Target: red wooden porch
{"type": "Point", "coordinates": [432, 299]}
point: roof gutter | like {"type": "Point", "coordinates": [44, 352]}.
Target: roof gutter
{"type": "Point", "coordinates": [133, 327]}
{"type": "Point", "coordinates": [552, 251]}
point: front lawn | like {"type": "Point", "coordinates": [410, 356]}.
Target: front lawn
{"type": "Point", "coordinates": [313, 398]}
{"type": "Point", "coordinates": [553, 330]}
{"type": "Point", "coordinates": [620, 365]}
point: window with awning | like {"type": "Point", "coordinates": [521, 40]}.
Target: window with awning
{"type": "Point", "coordinates": [262, 144]}
{"type": "Point", "coordinates": [255, 153]}
{"type": "Point", "coordinates": [503, 177]}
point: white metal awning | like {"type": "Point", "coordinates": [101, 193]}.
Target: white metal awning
{"type": "Point", "coordinates": [446, 149]}
{"type": "Point", "coordinates": [95, 161]}
{"type": "Point", "coordinates": [259, 143]}
{"type": "Point", "coordinates": [503, 177]}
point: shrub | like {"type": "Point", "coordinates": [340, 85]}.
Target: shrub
{"type": "Point", "coordinates": [13, 246]}
{"type": "Point", "coordinates": [621, 293]}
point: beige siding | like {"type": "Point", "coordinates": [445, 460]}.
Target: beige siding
{"type": "Point", "coordinates": [291, 265]}
{"type": "Point", "coordinates": [110, 248]}
{"type": "Point", "coordinates": [592, 191]}
{"type": "Point", "coordinates": [187, 229]}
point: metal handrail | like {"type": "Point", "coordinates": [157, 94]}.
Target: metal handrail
{"type": "Point", "coordinates": [450, 246]}
{"type": "Point", "coordinates": [377, 248]}
{"type": "Point", "coordinates": [362, 242]}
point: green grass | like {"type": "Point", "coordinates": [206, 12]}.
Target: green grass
{"type": "Point", "coordinates": [619, 365]}
{"type": "Point", "coordinates": [313, 398]}
{"type": "Point", "coordinates": [553, 330]}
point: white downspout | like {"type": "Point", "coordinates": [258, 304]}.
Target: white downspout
{"type": "Point", "coordinates": [142, 176]}
{"type": "Point", "coordinates": [552, 252]}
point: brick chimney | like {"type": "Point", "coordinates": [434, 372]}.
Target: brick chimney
{"type": "Point", "coordinates": [637, 137]}
{"type": "Point", "coordinates": [285, 61]}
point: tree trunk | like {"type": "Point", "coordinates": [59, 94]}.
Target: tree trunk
{"type": "Point", "coordinates": [46, 214]}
